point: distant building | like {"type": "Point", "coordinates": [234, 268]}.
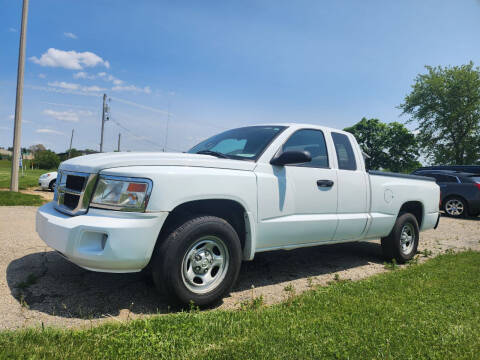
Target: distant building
{"type": "Point", "coordinates": [26, 156]}
{"type": "Point", "coordinates": [5, 152]}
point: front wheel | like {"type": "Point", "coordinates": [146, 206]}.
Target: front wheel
{"type": "Point", "coordinates": [52, 185]}
{"type": "Point", "coordinates": [402, 242]}
{"type": "Point", "coordinates": [198, 262]}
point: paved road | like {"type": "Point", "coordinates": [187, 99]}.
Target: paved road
{"type": "Point", "coordinates": [38, 286]}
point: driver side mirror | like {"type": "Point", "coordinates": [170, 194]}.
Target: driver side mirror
{"type": "Point", "coordinates": [291, 157]}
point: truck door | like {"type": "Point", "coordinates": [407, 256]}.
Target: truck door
{"type": "Point", "coordinates": [352, 190]}
{"type": "Point", "coordinates": [297, 204]}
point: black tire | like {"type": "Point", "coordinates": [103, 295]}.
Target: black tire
{"type": "Point", "coordinates": [170, 259]}
{"type": "Point", "coordinates": [460, 202]}
{"type": "Point", "coordinates": [392, 244]}
{"type": "Point", "coordinates": [51, 186]}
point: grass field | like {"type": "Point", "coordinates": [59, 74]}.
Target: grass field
{"type": "Point", "coordinates": [10, 198]}
{"type": "Point", "coordinates": [429, 311]}
{"type": "Point", "coordinates": [27, 180]}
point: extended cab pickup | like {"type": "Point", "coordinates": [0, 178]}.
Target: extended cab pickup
{"type": "Point", "coordinates": [191, 218]}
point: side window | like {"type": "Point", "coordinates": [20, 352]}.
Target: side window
{"type": "Point", "coordinates": [312, 141]}
{"type": "Point", "coordinates": [445, 179]}
{"type": "Point", "coordinates": [345, 156]}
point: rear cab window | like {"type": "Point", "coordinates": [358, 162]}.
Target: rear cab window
{"type": "Point", "coordinates": [344, 150]}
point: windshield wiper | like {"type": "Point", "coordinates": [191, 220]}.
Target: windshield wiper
{"type": "Point", "coordinates": [213, 153]}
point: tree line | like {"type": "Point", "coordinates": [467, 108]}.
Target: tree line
{"type": "Point", "coordinates": [444, 104]}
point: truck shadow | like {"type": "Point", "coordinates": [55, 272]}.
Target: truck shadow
{"type": "Point", "coordinates": [48, 283]}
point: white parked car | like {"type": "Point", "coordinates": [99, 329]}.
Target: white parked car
{"type": "Point", "coordinates": [192, 218]}
{"type": "Point", "coordinates": [48, 180]}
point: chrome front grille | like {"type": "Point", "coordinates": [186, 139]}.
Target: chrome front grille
{"type": "Point", "coordinates": [73, 191]}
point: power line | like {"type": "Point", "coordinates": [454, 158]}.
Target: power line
{"type": "Point", "coordinates": [141, 138]}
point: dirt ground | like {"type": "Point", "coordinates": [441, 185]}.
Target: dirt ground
{"type": "Point", "coordinates": [38, 286]}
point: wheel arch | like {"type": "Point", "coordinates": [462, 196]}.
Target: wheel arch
{"type": "Point", "coordinates": [415, 208]}
{"type": "Point", "coordinates": [230, 210]}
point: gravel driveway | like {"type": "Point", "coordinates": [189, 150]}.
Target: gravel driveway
{"type": "Point", "coordinates": [38, 286]}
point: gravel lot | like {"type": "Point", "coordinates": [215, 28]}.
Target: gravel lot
{"type": "Point", "coordinates": [38, 286]}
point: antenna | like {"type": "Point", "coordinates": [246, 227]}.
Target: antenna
{"type": "Point", "coordinates": [166, 130]}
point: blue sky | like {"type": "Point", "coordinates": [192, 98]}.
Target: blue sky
{"type": "Point", "coordinates": [219, 64]}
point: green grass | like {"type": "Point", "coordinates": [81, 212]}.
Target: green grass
{"type": "Point", "coordinates": [427, 311]}
{"type": "Point", "coordinates": [28, 179]}
{"type": "Point", "coordinates": [10, 198]}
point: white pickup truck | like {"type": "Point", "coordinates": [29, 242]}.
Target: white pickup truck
{"type": "Point", "coordinates": [191, 218]}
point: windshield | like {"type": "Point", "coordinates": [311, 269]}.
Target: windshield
{"type": "Point", "coordinates": [245, 143]}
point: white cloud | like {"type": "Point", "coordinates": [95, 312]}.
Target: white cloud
{"type": "Point", "coordinates": [92, 88]}
{"type": "Point", "coordinates": [70, 35]}
{"type": "Point", "coordinates": [132, 88]}
{"type": "Point", "coordinates": [12, 29]}
{"type": "Point", "coordinates": [111, 78]}
{"type": "Point", "coordinates": [64, 85]}
{"type": "Point", "coordinates": [83, 75]}
{"type": "Point", "coordinates": [49, 131]}
{"type": "Point", "coordinates": [73, 86]}
{"type": "Point", "coordinates": [68, 115]}
{"type": "Point", "coordinates": [69, 59]}
{"type": "Point", "coordinates": [42, 76]}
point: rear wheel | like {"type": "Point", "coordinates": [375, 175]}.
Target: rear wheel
{"type": "Point", "coordinates": [455, 207]}
{"type": "Point", "coordinates": [402, 242]}
{"type": "Point", "coordinates": [198, 262]}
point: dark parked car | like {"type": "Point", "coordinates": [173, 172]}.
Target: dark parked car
{"type": "Point", "coordinates": [460, 192]}
{"type": "Point", "coordinates": [473, 169]}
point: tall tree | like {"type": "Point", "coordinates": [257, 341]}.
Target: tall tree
{"type": "Point", "coordinates": [389, 146]}
{"type": "Point", "coordinates": [445, 103]}
{"type": "Point", "coordinates": [371, 136]}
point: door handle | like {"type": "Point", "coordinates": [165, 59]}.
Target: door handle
{"type": "Point", "coordinates": [324, 183]}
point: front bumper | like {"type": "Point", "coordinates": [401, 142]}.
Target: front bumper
{"type": "Point", "coordinates": [101, 240]}
{"type": "Point", "coordinates": [44, 183]}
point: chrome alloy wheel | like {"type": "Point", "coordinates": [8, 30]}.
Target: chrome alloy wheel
{"type": "Point", "coordinates": [407, 238]}
{"type": "Point", "coordinates": [205, 264]}
{"type": "Point", "coordinates": [454, 207]}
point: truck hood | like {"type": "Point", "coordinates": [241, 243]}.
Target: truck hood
{"type": "Point", "coordinates": [96, 162]}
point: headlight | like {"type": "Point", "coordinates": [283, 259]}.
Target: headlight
{"type": "Point", "coordinates": [121, 193]}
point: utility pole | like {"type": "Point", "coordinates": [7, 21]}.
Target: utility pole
{"type": "Point", "coordinates": [104, 118]}
{"type": "Point", "coordinates": [71, 140]}
{"type": "Point", "coordinates": [118, 146]}
{"type": "Point", "coordinates": [17, 132]}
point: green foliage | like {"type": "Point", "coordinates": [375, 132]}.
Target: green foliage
{"type": "Point", "coordinates": [390, 265]}
{"type": "Point", "coordinates": [427, 311]}
{"type": "Point", "coordinates": [390, 146]}
{"type": "Point", "coordinates": [47, 159]}
{"type": "Point", "coordinates": [11, 198]}
{"type": "Point", "coordinates": [445, 103]}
